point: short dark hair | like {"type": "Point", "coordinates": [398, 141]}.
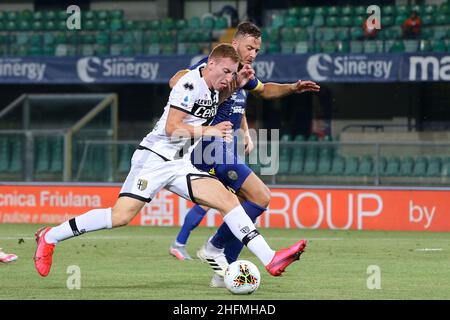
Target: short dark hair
{"type": "Point", "coordinates": [247, 29]}
{"type": "Point", "coordinates": [224, 50]}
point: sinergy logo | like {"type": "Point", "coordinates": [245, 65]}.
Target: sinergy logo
{"type": "Point", "coordinates": [90, 68]}
{"type": "Point", "coordinates": [16, 68]}
{"type": "Point", "coordinates": [322, 66]}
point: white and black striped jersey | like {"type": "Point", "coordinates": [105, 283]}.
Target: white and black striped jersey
{"type": "Point", "coordinates": [191, 95]}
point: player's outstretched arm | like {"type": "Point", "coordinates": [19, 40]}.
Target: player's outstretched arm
{"type": "Point", "coordinates": [173, 81]}
{"type": "Point", "coordinates": [272, 90]}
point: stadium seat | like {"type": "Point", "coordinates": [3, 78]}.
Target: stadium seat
{"type": "Point", "coordinates": [360, 10]}
{"type": "Point", "coordinates": [319, 11]}
{"type": "Point", "coordinates": [302, 35]}
{"type": "Point", "coordinates": [305, 11]}
{"type": "Point", "coordinates": [420, 166]}
{"type": "Point", "coordinates": [297, 161]}
{"type": "Point", "coordinates": [434, 167]}
{"type": "Point", "coordinates": [284, 164]}
{"type": "Point", "coordinates": [429, 9]}
{"type": "Point", "coordinates": [328, 47]}
{"type": "Point", "coordinates": [221, 23]}
{"type": "Point", "coordinates": [167, 24]}
{"type": "Point", "coordinates": [291, 22]}
{"type": "Point", "coordinates": [333, 10]}
{"type": "Point", "coordinates": [310, 166]}
{"type": "Point", "coordinates": [288, 47]}
{"type": "Point", "coordinates": [425, 46]}
{"type": "Point", "coordinates": [114, 14]}
{"type": "Point", "coordinates": [347, 10]}
{"type": "Point", "coordinates": [302, 47]}
{"type": "Point", "coordinates": [338, 165]}
{"type": "Point", "coordinates": [397, 46]}
{"type": "Point", "coordinates": [318, 21]}
{"type": "Point", "coordinates": [442, 19]}
{"type": "Point", "coordinates": [42, 154]}
{"type": "Point", "coordinates": [358, 21]}
{"type": "Point", "coordinates": [356, 46]}
{"type": "Point", "coordinates": [373, 46]}
{"type": "Point", "coordinates": [277, 21]}
{"type": "Point", "coordinates": [125, 153]}
{"type": "Point", "coordinates": [351, 166]}
{"type": "Point", "coordinates": [439, 33]}
{"type": "Point", "coordinates": [4, 154]}
{"type": "Point", "coordinates": [304, 22]}
{"type": "Point", "coordinates": [402, 10]}
{"type": "Point", "coordinates": [343, 34]}
{"type": "Point", "coordinates": [411, 45]}
{"type": "Point", "coordinates": [366, 166]}
{"type": "Point", "coordinates": [381, 164]}
{"type": "Point", "coordinates": [345, 21]}
{"type": "Point", "coordinates": [427, 33]}
{"type": "Point", "coordinates": [428, 20]}
{"type": "Point", "coordinates": [342, 46]}
{"type": "Point", "coordinates": [388, 10]}
{"type": "Point", "coordinates": [393, 167]}
{"type": "Point", "coordinates": [356, 33]}
{"type": "Point", "coordinates": [324, 166]}
{"type": "Point", "coordinates": [439, 46]}
{"type": "Point", "coordinates": [446, 167]}
{"type": "Point", "coordinates": [15, 165]}
{"type": "Point", "coordinates": [406, 166]}
{"type": "Point", "coordinates": [288, 34]}
{"type": "Point", "coordinates": [56, 154]}
{"type": "Point", "coordinates": [331, 22]}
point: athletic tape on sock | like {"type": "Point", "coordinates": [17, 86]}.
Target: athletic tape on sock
{"type": "Point", "coordinates": [249, 236]}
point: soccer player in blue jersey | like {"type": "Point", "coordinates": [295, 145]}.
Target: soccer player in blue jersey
{"type": "Point", "coordinates": [223, 247]}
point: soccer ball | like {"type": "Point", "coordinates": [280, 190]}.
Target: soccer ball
{"type": "Point", "coordinates": [242, 277]}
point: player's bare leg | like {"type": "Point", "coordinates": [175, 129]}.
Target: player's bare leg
{"type": "Point", "coordinates": [253, 189]}
{"type": "Point", "coordinates": [121, 214]}
{"type": "Point", "coordinates": [212, 193]}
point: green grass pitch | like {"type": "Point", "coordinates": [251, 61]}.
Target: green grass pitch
{"type": "Point", "coordinates": [133, 263]}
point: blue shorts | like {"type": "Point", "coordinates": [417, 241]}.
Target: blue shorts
{"type": "Point", "coordinates": [232, 171]}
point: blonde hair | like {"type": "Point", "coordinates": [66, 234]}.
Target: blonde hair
{"type": "Point", "coordinates": [224, 50]}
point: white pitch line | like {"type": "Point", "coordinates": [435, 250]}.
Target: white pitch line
{"type": "Point", "coordinates": [89, 237]}
{"type": "Point", "coordinates": [430, 249]}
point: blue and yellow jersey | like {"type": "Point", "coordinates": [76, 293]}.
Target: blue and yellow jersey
{"type": "Point", "coordinates": [233, 108]}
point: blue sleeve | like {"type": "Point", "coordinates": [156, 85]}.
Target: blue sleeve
{"type": "Point", "coordinates": [252, 84]}
{"type": "Point", "coordinates": [195, 66]}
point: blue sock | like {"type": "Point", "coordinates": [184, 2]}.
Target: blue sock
{"type": "Point", "coordinates": [224, 238]}
{"type": "Point", "coordinates": [191, 221]}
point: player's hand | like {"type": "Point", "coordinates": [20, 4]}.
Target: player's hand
{"type": "Point", "coordinates": [305, 86]}
{"type": "Point", "coordinates": [248, 144]}
{"type": "Point", "coordinates": [223, 130]}
{"type": "Point", "coordinates": [244, 75]}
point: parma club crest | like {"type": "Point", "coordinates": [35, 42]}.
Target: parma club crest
{"type": "Point", "coordinates": [142, 184]}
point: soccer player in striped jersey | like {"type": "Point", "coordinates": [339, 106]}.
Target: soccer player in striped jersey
{"type": "Point", "coordinates": [223, 247]}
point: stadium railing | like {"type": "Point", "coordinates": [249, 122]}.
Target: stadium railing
{"type": "Point", "coordinates": [42, 135]}
{"type": "Point", "coordinates": [304, 162]}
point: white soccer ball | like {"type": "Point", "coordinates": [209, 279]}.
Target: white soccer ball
{"type": "Point", "coordinates": [242, 277]}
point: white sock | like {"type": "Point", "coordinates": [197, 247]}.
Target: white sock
{"type": "Point", "coordinates": [244, 229]}
{"type": "Point", "coordinates": [93, 220]}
